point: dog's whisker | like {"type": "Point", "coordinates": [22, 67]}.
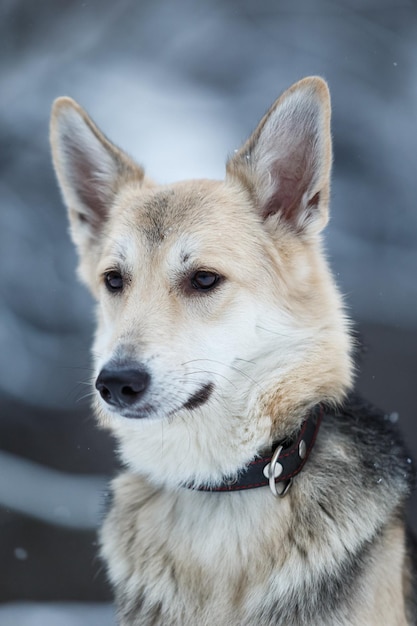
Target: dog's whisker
{"type": "Point", "coordinates": [196, 372]}
{"type": "Point", "coordinates": [232, 367]}
{"type": "Point", "coordinates": [76, 389]}
{"type": "Point", "coordinates": [245, 375]}
{"type": "Point", "coordinates": [273, 332]}
{"type": "Point", "coordinates": [90, 394]}
{"type": "Point", "coordinates": [245, 361]}
{"type": "Point", "coordinates": [77, 367]}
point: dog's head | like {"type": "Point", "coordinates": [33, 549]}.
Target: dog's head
{"type": "Point", "coordinates": [218, 321]}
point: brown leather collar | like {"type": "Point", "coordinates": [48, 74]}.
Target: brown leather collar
{"type": "Point", "coordinates": [278, 467]}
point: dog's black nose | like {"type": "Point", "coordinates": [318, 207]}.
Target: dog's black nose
{"type": "Point", "coordinates": [122, 386]}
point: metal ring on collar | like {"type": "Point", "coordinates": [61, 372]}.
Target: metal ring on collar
{"type": "Point", "coordinates": [274, 471]}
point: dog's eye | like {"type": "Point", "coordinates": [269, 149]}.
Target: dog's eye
{"type": "Point", "coordinates": [113, 281]}
{"type": "Point", "coordinates": [204, 281]}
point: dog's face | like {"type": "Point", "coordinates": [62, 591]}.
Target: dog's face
{"type": "Point", "coordinates": [176, 306]}
{"type": "Point", "coordinates": [215, 306]}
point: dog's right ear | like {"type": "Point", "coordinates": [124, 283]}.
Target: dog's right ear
{"type": "Point", "coordinates": [90, 170]}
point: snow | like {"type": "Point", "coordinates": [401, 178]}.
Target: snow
{"type": "Point", "coordinates": [56, 614]}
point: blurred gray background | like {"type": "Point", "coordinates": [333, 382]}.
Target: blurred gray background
{"type": "Point", "coordinates": [179, 85]}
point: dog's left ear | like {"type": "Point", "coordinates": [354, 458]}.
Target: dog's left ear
{"type": "Point", "coordinates": [285, 164]}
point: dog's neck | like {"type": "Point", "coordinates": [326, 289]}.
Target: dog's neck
{"type": "Point", "coordinates": [278, 466]}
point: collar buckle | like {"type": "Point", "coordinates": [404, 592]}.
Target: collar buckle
{"type": "Point", "coordinates": [272, 471]}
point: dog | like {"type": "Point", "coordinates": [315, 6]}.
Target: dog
{"type": "Point", "coordinates": [258, 489]}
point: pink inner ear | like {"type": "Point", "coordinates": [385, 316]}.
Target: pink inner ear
{"type": "Point", "coordinates": [86, 182]}
{"type": "Point", "coordinates": [285, 164]}
{"type": "Point", "coordinates": [91, 173]}
{"type": "Point", "coordinates": [291, 178]}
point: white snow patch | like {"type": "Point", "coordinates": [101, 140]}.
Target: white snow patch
{"type": "Point", "coordinates": [57, 614]}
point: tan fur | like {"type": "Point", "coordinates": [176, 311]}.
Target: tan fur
{"type": "Point", "coordinates": [272, 340]}
{"type": "Point", "coordinates": [382, 601]}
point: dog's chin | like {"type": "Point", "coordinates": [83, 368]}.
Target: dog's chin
{"type": "Point", "coordinates": [153, 412]}
{"type": "Point", "coordinates": [146, 412]}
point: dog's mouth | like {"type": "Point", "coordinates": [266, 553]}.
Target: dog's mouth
{"type": "Point", "coordinates": [197, 399]}
{"type": "Point", "coordinates": [200, 397]}
{"type": "Point", "coordinates": [133, 401]}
